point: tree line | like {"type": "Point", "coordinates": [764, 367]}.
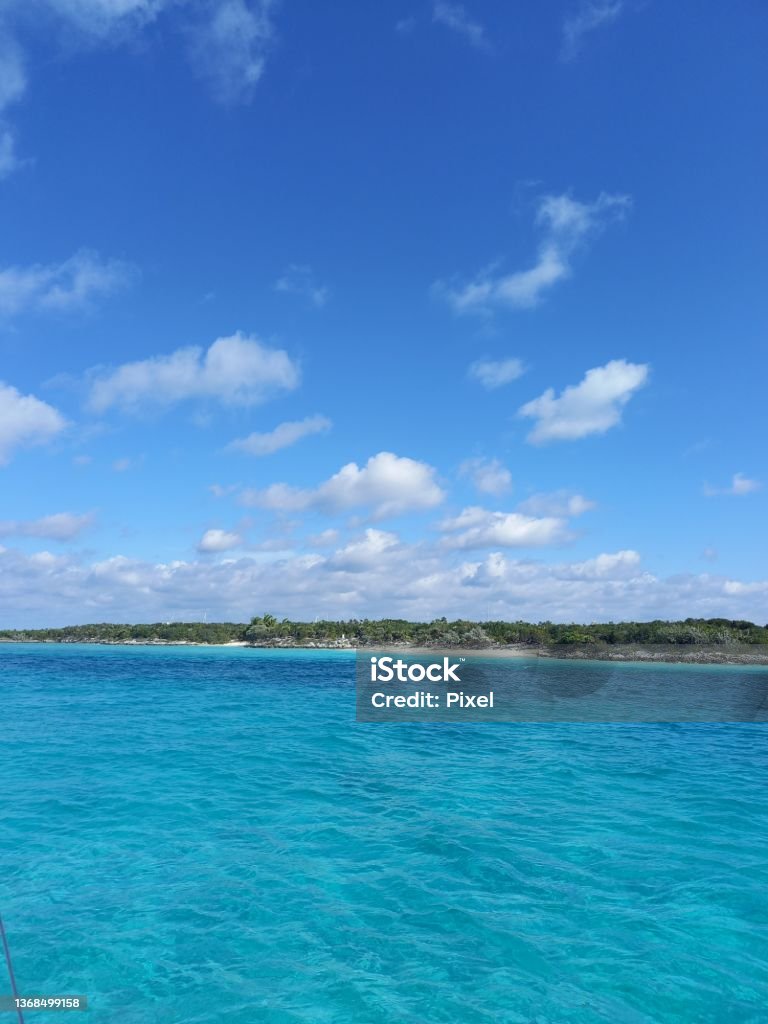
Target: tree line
{"type": "Point", "coordinates": [267, 629]}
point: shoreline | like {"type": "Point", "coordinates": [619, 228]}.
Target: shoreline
{"type": "Point", "coordinates": [726, 654]}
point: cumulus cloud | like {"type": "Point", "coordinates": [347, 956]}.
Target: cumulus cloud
{"type": "Point", "coordinates": [59, 526]}
{"type": "Point", "coordinates": [298, 279]}
{"type": "Point", "coordinates": [387, 485]}
{"type": "Point", "coordinates": [455, 17]}
{"type": "Point", "coordinates": [283, 436]}
{"type": "Point", "coordinates": [565, 224]}
{"type": "Point", "coordinates": [557, 503]}
{"type": "Point", "coordinates": [412, 581]}
{"type": "Point", "coordinates": [488, 475]}
{"type": "Point", "coordinates": [592, 406]}
{"type": "Point", "coordinates": [619, 565]}
{"type": "Point", "coordinates": [25, 420]}
{"type": "Point", "coordinates": [496, 373]}
{"type": "Point", "coordinates": [239, 370]}
{"type": "Point", "coordinates": [739, 486]}
{"type": "Point", "coordinates": [591, 15]}
{"type": "Point", "coordinates": [480, 528]}
{"type": "Point", "coordinates": [366, 552]}
{"type": "Point", "coordinates": [219, 540]}
{"type": "Point", "coordinates": [66, 286]}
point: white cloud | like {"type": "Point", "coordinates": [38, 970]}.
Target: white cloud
{"type": "Point", "coordinates": [13, 78]}
{"type": "Point", "coordinates": [558, 503]}
{"type": "Point", "coordinates": [65, 286]}
{"type": "Point", "coordinates": [25, 420]}
{"type": "Point", "coordinates": [239, 370]}
{"type": "Point", "coordinates": [405, 25]}
{"type": "Point", "coordinates": [323, 539]}
{"type": "Point", "coordinates": [488, 475]}
{"type": "Point", "coordinates": [230, 47]}
{"type": "Point", "coordinates": [9, 162]}
{"type": "Point", "coordinates": [13, 83]}
{"type": "Point", "coordinates": [366, 552]}
{"type": "Point", "coordinates": [219, 540]}
{"type": "Point", "coordinates": [60, 526]}
{"type": "Point", "coordinates": [223, 490]}
{"type": "Point", "coordinates": [283, 436]}
{"type": "Point", "coordinates": [591, 15]}
{"type": "Point", "coordinates": [299, 280]}
{"type": "Point", "coordinates": [592, 406]}
{"type": "Point", "coordinates": [615, 566]}
{"type": "Point", "coordinates": [412, 581]}
{"type": "Point", "coordinates": [565, 224]}
{"type": "Point", "coordinates": [105, 18]}
{"type": "Point", "coordinates": [496, 373]}
{"type": "Point", "coordinates": [480, 528]}
{"type": "Point", "coordinates": [454, 16]}
{"type": "Point", "coordinates": [387, 485]}
{"type": "Point", "coordinates": [739, 486]}
{"type": "Point", "coordinates": [122, 465]}
{"type": "Point", "coordinates": [228, 42]}
{"type": "Point", "coordinates": [229, 39]}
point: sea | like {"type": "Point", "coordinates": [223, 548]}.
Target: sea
{"type": "Point", "coordinates": [194, 835]}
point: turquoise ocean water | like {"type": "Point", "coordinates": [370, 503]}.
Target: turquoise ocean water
{"type": "Point", "coordinates": [206, 836]}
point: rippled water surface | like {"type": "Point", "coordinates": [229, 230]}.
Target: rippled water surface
{"type": "Point", "coordinates": [206, 836]}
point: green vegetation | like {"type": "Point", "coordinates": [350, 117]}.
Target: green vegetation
{"type": "Point", "coordinates": [267, 630]}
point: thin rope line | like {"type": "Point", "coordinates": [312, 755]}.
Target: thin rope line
{"type": "Point", "coordinates": [11, 975]}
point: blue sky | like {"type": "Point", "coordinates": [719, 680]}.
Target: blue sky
{"type": "Point", "coordinates": [409, 308]}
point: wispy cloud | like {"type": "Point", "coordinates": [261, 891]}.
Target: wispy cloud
{"type": "Point", "coordinates": [230, 46]}
{"type": "Point", "coordinates": [489, 476]}
{"type": "Point", "coordinates": [59, 526]}
{"type": "Point", "coordinates": [455, 17]}
{"type": "Point", "coordinates": [71, 285]}
{"type": "Point", "coordinates": [299, 279]}
{"type": "Point", "coordinates": [283, 436]}
{"type": "Point", "coordinates": [592, 406]}
{"type": "Point", "coordinates": [739, 486]}
{"type": "Point", "coordinates": [228, 42]}
{"type": "Point", "coordinates": [591, 15]}
{"type": "Point", "coordinates": [387, 485]}
{"type": "Point", "coordinates": [13, 83]}
{"type": "Point", "coordinates": [565, 224]}
{"type": "Point", "coordinates": [496, 373]}
{"type": "Point", "coordinates": [25, 420]}
{"type": "Point", "coordinates": [239, 370]}
{"type": "Point", "coordinates": [126, 463]}
{"type": "Point", "coordinates": [556, 503]}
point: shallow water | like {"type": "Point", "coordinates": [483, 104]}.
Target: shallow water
{"type": "Point", "coordinates": [206, 835]}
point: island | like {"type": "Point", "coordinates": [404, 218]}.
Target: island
{"type": "Point", "coordinates": [717, 641]}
